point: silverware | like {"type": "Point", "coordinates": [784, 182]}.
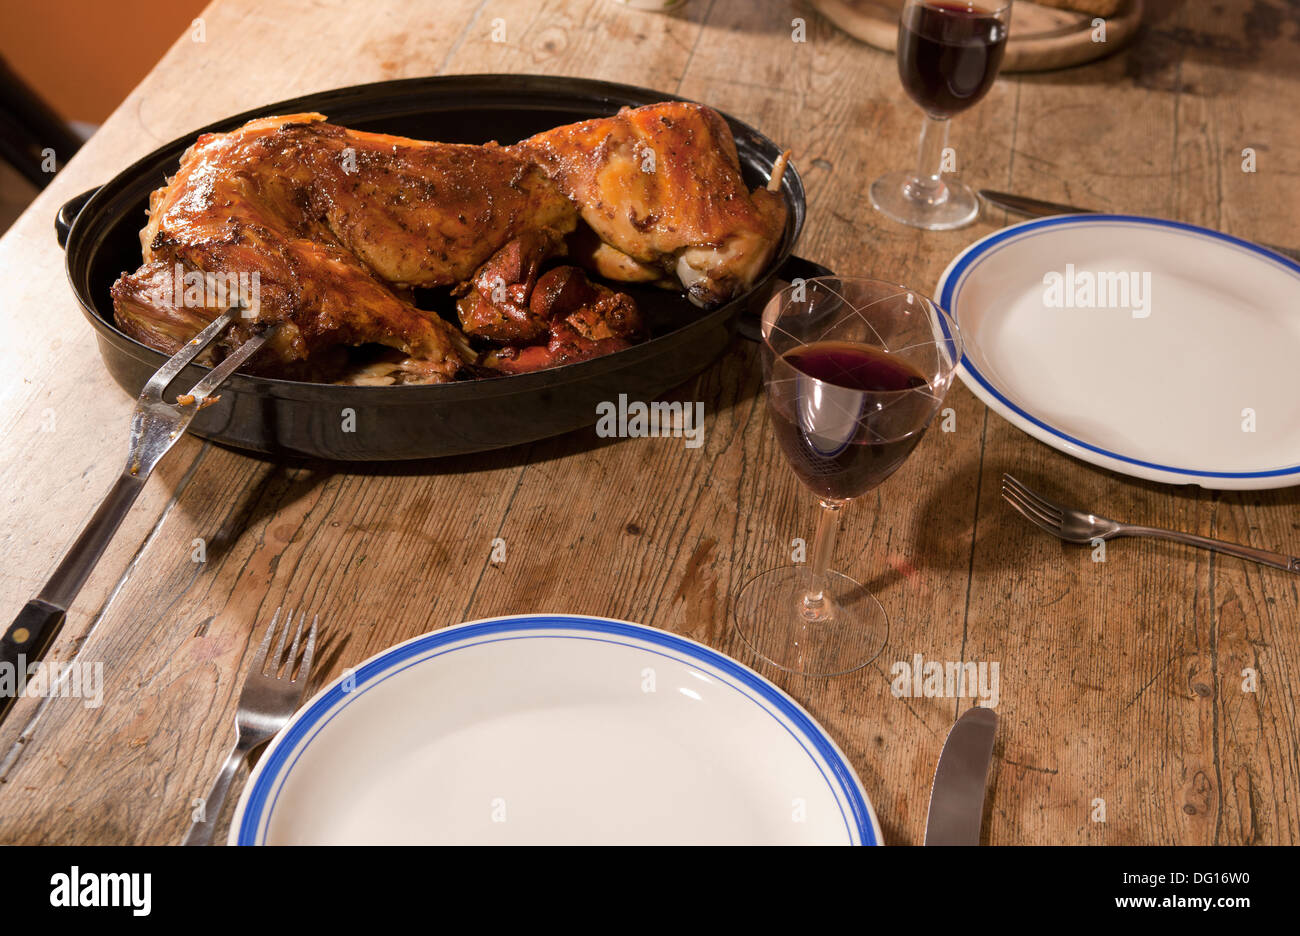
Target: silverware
{"type": "Point", "coordinates": [272, 692]}
{"type": "Point", "coordinates": [957, 797]}
{"type": "Point", "coordinates": [1075, 526]}
{"type": "Point", "coordinates": [1037, 208]}
{"type": "Point", "coordinates": [155, 427]}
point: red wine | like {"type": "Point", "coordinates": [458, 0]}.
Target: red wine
{"type": "Point", "coordinates": [840, 417]}
{"type": "Point", "coordinates": [949, 54]}
{"type": "Point", "coordinates": [854, 366]}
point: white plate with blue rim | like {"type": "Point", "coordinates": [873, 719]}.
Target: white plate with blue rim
{"type": "Point", "coordinates": [1157, 349]}
{"type": "Point", "coordinates": [553, 729]}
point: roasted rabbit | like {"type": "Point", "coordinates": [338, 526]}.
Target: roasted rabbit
{"type": "Point", "coordinates": [335, 229]}
{"type": "Point", "coordinates": [661, 188]}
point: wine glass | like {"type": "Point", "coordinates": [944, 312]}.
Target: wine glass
{"type": "Point", "coordinates": [854, 369]}
{"type": "Point", "coordinates": [948, 55]}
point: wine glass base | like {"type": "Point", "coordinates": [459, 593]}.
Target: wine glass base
{"type": "Point", "coordinates": [847, 634]}
{"type": "Point", "coordinates": [954, 206]}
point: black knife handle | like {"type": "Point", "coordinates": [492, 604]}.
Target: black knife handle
{"type": "Point", "coordinates": [26, 641]}
{"type": "Point", "coordinates": [41, 618]}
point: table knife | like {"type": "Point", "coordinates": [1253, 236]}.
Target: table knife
{"type": "Point", "coordinates": [1037, 208]}
{"type": "Point", "coordinates": [957, 797]}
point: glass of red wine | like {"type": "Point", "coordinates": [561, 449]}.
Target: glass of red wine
{"type": "Point", "coordinates": [948, 55]}
{"type": "Point", "coordinates": [855, 369]}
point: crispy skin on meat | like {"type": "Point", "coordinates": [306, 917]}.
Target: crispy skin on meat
{"type": "Point", "coordinates": [145, 309]}
{"type": "Point", "coordinates": [340, 226]}
{"type": "Point", "coordinates": [425, 214]}
{"type": "Point", "coordinates": [329, 219]}
{"type": "Point", "coordinates": [415, 213]}
{"type": "Point", "coordinates": [661, 185]}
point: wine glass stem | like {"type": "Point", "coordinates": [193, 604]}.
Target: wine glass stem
{"type": "Point", "coordinates": [928, 183]}
{"type": "Point", "coordinates": [828, 524]}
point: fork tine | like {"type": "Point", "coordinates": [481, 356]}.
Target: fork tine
{"type": "Point", "coordinates": [215, 377]}
{"type": "Point", "coordinates": [1025, 490]}
{"type": "Point", "coordinates": [293, 648]}
{"type": "Point", "coordinates": [279, 647]}
{"type": "Point", "coordinates": [1037, 521]}
{"type": "Point", "coordinates": [1011, 493]}
{"type": "Point", "coordinates": [1049, 507]}
{"type": "Point", "coordinates": [162, 378]}
{"type": "Point", "coordinates": [305, 670]}
{"type": "Point", "coordinates": [260, 658]}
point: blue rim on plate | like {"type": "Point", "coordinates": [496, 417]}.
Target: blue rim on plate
{"type": "Point", "coordinates": [953, 278]}
{"type": "Point", "coordinates": [258, 804]}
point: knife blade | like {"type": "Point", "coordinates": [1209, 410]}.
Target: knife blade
{"type": "Point", "coordinates": [1029, 207]}
{"type": "Point", "coordinates": [957, 797]}
{"type": "Point", "coordinates": [1037, 208]}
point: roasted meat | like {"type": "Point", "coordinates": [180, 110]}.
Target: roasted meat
{"type": "Point", "coordinates": [496, 303]}
{"type": "Point", "coordinates": [661, 188]}
{"type": "Point", "coordinates": [596, 313]}
{"type": "Point", "coordinates": [330, 220]}
{"type": "Point", "coordinates": [570, 319]}
{"type": "Point", "coordinates": [324, 233]}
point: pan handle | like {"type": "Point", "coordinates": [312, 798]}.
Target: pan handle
{"type": "Point", "coordinates": [67, 215]}
{"type": "Point", "coordinates": [750, 324]}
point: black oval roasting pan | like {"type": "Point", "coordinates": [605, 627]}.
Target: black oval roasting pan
{"type": "Point", "coordinates": [99, 231]}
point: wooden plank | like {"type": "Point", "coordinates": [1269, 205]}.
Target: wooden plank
{"type": "Point", "coordinates": [61, 410]}
{"type": "Point", "coordinates": [1244, 684]}
{"type": "Point", "coordinates": [1143, 654]}
{"type": "Point", "coordinates": [333, 542]}
{"type": "Point", "coordinates": [842, 111]}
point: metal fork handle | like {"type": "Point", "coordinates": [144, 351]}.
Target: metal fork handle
{"type": "Point", "coordinates": [1263, 556]}
{"type": "Point", "coordinates": [39, 622]}
{"type": "Point", "coordinates": [81, 557]}
{"type": "Point", "coordinates": [200, 833]}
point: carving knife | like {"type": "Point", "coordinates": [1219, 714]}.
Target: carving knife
{"type": "Point", "coordinates": [1036, 208]}
{"type": "Point", "coordinates": [957, 797]}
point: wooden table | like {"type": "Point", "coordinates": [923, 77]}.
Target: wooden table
{"type": "Point", "coordinates": [1120, 681]}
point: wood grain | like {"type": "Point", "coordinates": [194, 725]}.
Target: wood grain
{"type": "Point", "coordinates": [1120, 681]}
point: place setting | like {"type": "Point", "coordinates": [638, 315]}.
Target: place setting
{"type": "Point", "coordinates": [384, 279]}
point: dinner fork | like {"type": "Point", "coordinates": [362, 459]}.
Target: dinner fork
{"type": "Point", "coordinates": [1075, 526]}
{"type": "Point", "coordinates": [155, 427]}
{"type": "Point", "coordinates": [272, 692]}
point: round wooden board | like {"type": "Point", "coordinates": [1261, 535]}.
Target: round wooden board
{"type": "Point", "coordinates": [1041, 38]}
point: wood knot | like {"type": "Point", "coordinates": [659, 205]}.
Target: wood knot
{"type": "Point", "coordinates": [552, 41]}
